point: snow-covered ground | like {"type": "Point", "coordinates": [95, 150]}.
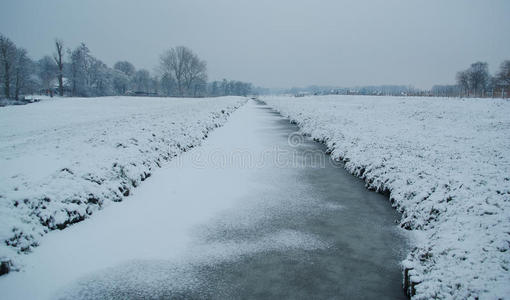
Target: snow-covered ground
{"type": "Point", "coordinates": [194, 211]}
{"type": "Point", "coordinates": [446, 164]}
{"type": "Point", "coordinates": [63, 159]}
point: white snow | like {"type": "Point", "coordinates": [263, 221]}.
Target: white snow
{"type": "Point", "coordinates": [149, 242]}
{"type": "Point", "coordinates": [446, 163]}
{"type": "Point", "coordinates": [63, 159]}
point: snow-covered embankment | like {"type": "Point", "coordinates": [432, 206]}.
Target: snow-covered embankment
{"type": "Point", "coordinates": [445, 163]}
{"type": "Point", "coordinates": [63, 159]}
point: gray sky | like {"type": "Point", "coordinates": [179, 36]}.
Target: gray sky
{"type": "Point", "coordinates": [278, 43]}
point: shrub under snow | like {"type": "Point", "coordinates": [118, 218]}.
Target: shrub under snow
{"type": "Point", "coordinates": [446, 164]}
{"type": "Point", "coordinates": [61, 160]}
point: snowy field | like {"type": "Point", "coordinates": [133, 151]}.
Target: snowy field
{"type": "Point", "coordinates": [63, 159]}
{"type": "Point", "coordinates": [445, 163]}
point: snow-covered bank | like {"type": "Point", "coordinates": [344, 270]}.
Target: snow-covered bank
{"type": "Point", "coordinates": [200, 228]}
{"type": "Point", "coordinates": [61, 160]}
{"type": "Point", "coordinates": [26, 100]}
{"type": "Point", "coordinates": [446, 163]}
{"type": "Point", "coordinates": [7, 102]}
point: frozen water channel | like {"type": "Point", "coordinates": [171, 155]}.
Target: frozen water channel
{"type": "Point", "coordinates": [258, 211]}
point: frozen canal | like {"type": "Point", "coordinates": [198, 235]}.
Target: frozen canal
{"type": "Point", "coordinates": [258, 211]}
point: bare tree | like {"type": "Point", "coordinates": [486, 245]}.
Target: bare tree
{"type": "Point", "coordinates": [100, 78]}
{"type": "Point", "coordinates": [229, 87]}
{"type": "Point", "coordinates": [47, 72]}
{"type": "Point", "coordinates": [59, 60]}
{"type": "Point", "coordinates": [503, 78]}
{"type": "Point", "coordinates": [479, 77]}
{"type": "Point", "coordinates": [79, 71]}
{"type": "Point", "coordinates": [476, 80]}
{"type": "Point", "coordinates": [120, 82]}
{"type": "Point", "coordinates": [22, 71]}
{"type": "Point", "coordinates": [185, 67]}
{"type": "Point", "coordinates": [168, 85]}
{"type": "Point", "coordinates": [7, 58]}
{"type": "Point", "coordinates": [125, 67]}
{"type": "Point", "coordinates": [463, 81]}
{"type": "Point", "coordinates": [142, 81]}
{"type": "Point", "coordinates": [195, 75]}
{"type": "Point", "coordinates": [199, 87]}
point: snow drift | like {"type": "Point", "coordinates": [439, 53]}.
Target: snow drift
{"type": "Point", "coordinates": [63, 159]}
{"type": "Point", "coordinates": [446, 166]}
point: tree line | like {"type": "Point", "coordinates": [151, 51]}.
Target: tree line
{"type": "Point", "coordinates": [476, 81]}
{"type": "Point", "coordinates": [76, 72]}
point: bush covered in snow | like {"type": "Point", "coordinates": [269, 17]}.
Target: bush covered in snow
{"type": "Point", "coordinates": [62, 160]}
{"type": "Point", "coordinates": [446, 165]}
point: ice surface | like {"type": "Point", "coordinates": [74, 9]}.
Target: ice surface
{"type": "Point", "coordinates": [146, 244]}
{"type": "Point", "coordinates": [446, 162]}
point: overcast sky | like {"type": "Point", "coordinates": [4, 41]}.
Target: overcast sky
{"type": "Point", "coordinates": [277, 43]}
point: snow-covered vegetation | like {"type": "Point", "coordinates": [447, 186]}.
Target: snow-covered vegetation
{"type": "Point", "coordinates": [445, 164]}
{"type": "Point", "coordinates": [63, 159]}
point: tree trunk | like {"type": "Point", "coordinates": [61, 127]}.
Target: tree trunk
{"type": "Point", "coordinates": [60, 64]}
{"type": "Point", "coordinates": [16, 87]}
{"type": "Point", "coordinates": [7, 80]}
{"type": "Point", "coordinates": [60, 83]}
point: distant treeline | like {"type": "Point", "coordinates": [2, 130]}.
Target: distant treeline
{"type": "Point", "coordinates": [476, 81]}
{"type": "Point", "coordinates": [381, 90]}
{"type": "Point", "coordinates": [76, 72]}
